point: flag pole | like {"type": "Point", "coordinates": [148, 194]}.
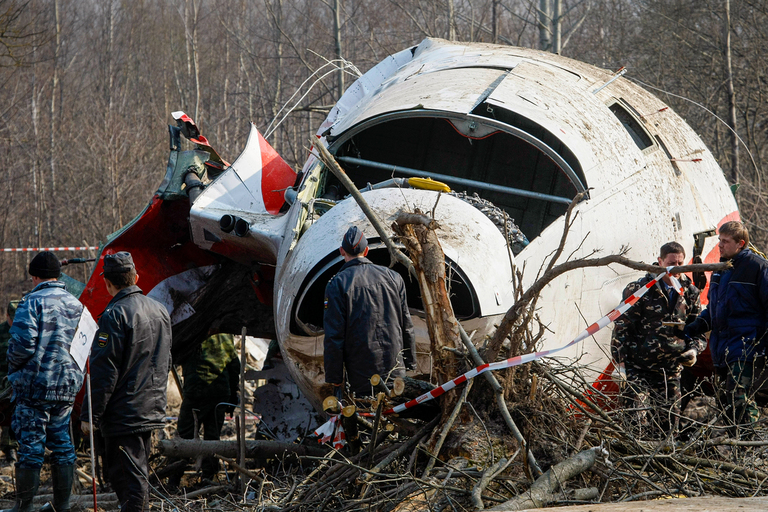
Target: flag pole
{"type": "Point", "coordinates": [90, 433]}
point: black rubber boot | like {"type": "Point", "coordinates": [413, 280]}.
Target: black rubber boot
{"type": "Point", "coordinates": [62, 477]}
{"type": "Point", "coordinates": [27, 481]}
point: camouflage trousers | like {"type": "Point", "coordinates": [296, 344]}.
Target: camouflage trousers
{"type": "Point", "coordinates": [40, 424]}
{"type": "Point", "coordinates": [736, 391]}
{"type": "Point", "coordinates": [652, 400]}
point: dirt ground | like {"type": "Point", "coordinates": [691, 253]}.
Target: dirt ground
{"type": "Point", "coordinates": [699, 504]}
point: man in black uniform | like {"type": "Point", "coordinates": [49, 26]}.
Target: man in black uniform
{"type": "Point", "coordinates": [130, 359]}
{"type": "Point", "coordinates": [368, 328]}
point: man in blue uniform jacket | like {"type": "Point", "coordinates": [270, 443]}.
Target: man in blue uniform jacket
{"type": "Point", "coordinates": [45, 381]}
{"type": "Point", "coordinates": [737, 317]}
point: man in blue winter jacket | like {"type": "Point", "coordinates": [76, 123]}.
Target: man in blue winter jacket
{"type": "Point", "coordinates": [45, 381]}
{"type": "Point", "coordinates": [737, 317]}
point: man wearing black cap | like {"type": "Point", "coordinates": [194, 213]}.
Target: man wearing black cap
{"type": "Point", "coordinates": [45, 381]}
{"type": "Point", "coordinates": [368, 328]}
{"type": "Point", "coordinates": [130, 359]}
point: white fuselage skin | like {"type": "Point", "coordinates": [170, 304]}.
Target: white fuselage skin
{"type": "Point", "coordinates": [638, 199]}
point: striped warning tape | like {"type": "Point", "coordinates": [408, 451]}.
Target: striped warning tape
{"type": "Point", "coordinates": [36, 249]}
{"type": "Point", "coordinates": [624, 305]}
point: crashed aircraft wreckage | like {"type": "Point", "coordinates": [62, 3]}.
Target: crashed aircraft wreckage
{"type": "Point", "coordinates": [508, 129]}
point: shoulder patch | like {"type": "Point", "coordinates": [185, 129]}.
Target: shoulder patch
{"type": "Point", "coordinates": [103, 339]}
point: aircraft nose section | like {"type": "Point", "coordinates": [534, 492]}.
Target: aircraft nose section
{"type": "Point", "coordinates": [478, 287]}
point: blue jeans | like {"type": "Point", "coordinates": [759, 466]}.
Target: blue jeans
{"type": "Point", "coordinates": [40, 424]}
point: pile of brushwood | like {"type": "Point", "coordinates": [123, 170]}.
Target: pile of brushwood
{"type": "Point", "coordinates": [467, 458]}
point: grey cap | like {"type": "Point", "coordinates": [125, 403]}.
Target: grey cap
{"type": "Point", "coordinates": [118, 263]}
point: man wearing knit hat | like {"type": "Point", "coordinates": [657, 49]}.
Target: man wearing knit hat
{"type": "Point", "coordinates": [368, 328]}
{"type": "Point", "coordinates": [45, 381]}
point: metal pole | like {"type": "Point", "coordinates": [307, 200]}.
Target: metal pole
{"type": "Point", "coordinates": [456, 180]}
{"type": "Point", "coordinates": [90, 434]}
{"type": "Point", "coordinates": [241, 458]}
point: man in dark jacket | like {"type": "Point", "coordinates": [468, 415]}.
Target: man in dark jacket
{"type": "Point", "coordinates": [737, 316]}
{"type": "Point", "coordinates": [45, 380]}
{"type": "Point", "coordinates": [130, 360]}
{"type": "Point", "coordinates": [368, 328]}
{"type": "Point", "coordinates": [645, 342]}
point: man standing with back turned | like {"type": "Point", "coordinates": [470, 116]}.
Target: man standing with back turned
{"type": "Point", "coordinates": [45, 381]}
{"type": "Point", "coordinates": [737, 315]}
{"type": "Point", "coordinates": [130, 359]}
{"type": "Point", "coordinates": [367, 325]}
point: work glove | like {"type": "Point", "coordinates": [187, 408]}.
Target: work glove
{"type": "Point", "coordinates": [85, 427]}
{"type": "Point", "coordinates": [687, 358]}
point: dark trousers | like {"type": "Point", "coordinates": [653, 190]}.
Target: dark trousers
{"type": "Point", "coordinates": [210, 416]}
{"type": "Point", "coordinates": [127, 466]}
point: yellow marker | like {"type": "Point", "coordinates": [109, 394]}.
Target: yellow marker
{"type": "Point", "coordinates": [428, 184]}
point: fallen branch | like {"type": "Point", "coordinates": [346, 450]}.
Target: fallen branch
{"type": "Point", "coordinates": [331, 163]}
{"type": "Point", "coordinates": [205, 491]}
{"type": "Point", "coordinates": [488, 476]}
{"type": "Point", "coordinates": [189, 448]}
{"type": "Point", "coordinates": [512, 315]}
{"type": "Point", "coordinates": [543, 490]}
{"type": "Point", "coordinates": [240, 469]}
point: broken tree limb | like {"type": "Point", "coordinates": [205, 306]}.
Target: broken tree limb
{"type": "Point", "coordinates": [545, 488]}
{"type": "Point", "coordinates": [80, 501]}
{"type": "Point", "coordinates": [488, 476]}
{"type": "Point", "coordinates": [178, 447]}
{"type": "Point", "coordinates": [499, 392]}
{"type": "Point", "coordinates": [403, 448]}
{"type": "Point", "coordinates": [237, 467]}
{"type": "Point", "coordinates": [428, 261]}
{"type": "Point", "coordinates": [446, 428]}
{"type": "Point", "coordinates": [512, 315]}
{"type": "Point", "coordinates": [330, 162]}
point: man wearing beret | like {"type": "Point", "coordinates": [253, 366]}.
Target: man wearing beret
{"type": "Point", "coordinates": [130, 359]}
{"type": "Point", "coordinates": [45, 380]}
{"type": "Point", "coordinates": [368, 328]}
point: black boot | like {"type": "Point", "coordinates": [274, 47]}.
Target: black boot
{"type": "Point", "coordinates": [62, 477]}
{"type": "Point", "coordinates": [27, 481]}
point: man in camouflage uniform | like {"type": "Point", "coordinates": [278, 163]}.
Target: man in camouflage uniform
{"type": "Point", "coordinates": [7, 443]}
{"type": "Point", "coordinates": [645, 341]}
{"type": "Point", "coordinates": [45, 381]}
{"type": "Point", "coordinates": [211, 381]}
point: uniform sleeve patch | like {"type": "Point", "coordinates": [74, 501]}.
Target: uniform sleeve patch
{"type": "Point", "coordinates": [325, 303]}
{"type": "Point", "coordinates": [103, 339]}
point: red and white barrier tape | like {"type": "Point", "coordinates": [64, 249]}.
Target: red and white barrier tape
{"type": "Point", "coordinates": [36, 249]}
{"type": "Point", "coordinates": [327, 429]}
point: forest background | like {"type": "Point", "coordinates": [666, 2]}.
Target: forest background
{"type": "Point", "coordinates": [87, 87]}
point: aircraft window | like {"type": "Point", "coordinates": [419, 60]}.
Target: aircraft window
{"type": "Point", "coordinates": [638, 134]}
{"type": "Point", "coordinates": [497, 166]}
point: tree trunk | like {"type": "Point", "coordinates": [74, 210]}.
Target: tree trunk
{"type": "Point", "coordinates": [429, 262]}
{"type": "Point", "coordinates": [189, 448]}
{"type": "Point", "coordinates": [731, 95]}
{"type": "Point", "coordinates": [545, 20]}
{"type": "Point", "coordinates": [544, 489]}
{"type": "Point", "coordinates": [337, 41]}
